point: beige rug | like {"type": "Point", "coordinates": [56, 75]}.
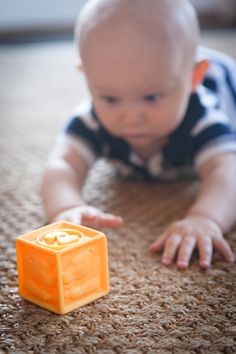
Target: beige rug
{"type": "Point", "coordinates": [150, 308]}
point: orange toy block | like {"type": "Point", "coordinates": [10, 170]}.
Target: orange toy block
{"type": "Point", "coordinates": [62, 266]}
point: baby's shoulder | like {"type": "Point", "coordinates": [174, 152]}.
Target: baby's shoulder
{"type": "Point", "coordinates": [84, 114]}
{"type": "Point", "coordinates": [214, 57]}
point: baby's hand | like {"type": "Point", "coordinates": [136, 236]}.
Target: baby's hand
{"type": "Point", "coordinates": [183, 236]}
{"type": "Point", "coordinates": [90, 216]}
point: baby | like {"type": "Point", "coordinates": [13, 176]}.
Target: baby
{"type": "Point", "coordinates": [159, 103]}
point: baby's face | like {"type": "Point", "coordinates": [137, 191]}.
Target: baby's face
{"type": "Point", "coordinates": [140, 90]}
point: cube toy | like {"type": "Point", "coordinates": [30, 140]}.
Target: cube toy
{"type": "Point", "coordinates": [62, 266]}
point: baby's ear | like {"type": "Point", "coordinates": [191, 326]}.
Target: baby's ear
{"type": "Point", "coordinates": [199, 72]}
{"type": "Point", "coordinates": [79, 65]}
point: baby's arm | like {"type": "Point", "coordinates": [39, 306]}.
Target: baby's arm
{"type": "Point", "coordinates": [63, 179]}
{"type": "Point", "coordinates": [213, 214]}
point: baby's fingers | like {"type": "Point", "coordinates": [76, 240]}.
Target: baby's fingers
{"type": "Point", "coordinates": [109, 220]}
{"type": "Point", "coordinates": [223, 247]}
{"type": "Point", "coordinates": [101, 220]}
{"type": "Point", "coordinates": [205, 251]}
{"type": "Point", "coordinates": [185, 252]}
{"type": "Point", "coordinates": [159, 244]}
{"type": "Point", "coordinates": [171, 246]}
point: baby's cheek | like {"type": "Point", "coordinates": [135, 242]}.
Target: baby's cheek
{"type": "Point", "coordinates": [110, 121]}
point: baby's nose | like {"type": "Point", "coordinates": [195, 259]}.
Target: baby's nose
{"type": "Point", "coordinates": [133, 112]}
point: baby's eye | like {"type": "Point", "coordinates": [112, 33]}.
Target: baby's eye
{"type": "Point", "coordinates": [110, 99]}
{"type": "Point", "coordinates": [152, 97]}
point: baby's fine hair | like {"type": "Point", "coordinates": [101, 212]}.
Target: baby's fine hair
{"type": "Point", "coordinates": [178, 16]}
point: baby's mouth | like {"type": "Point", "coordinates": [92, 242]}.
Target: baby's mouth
{"type": "Point", "coordinates": [136, 136]}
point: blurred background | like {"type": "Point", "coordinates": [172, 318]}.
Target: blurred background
{"type": "Point", "coordinates": [37, 20]}
{"type": "Point", "coordinates": [26, 20]}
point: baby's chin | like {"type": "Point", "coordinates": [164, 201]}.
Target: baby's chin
{"type": "Point", "coordinates": [147, 145]}
{"type": "Point", "coordinates": [143, 138]}
{"type": "Point", "coordinates": [139, 139]}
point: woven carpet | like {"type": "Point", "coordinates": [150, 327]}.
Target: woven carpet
{"type": "Point", "coordinates": [150, 308]}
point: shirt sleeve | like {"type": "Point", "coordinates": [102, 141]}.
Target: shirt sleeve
{"type": "Point", "coordinates": [83, 132]}
{"type": "Point", "coordinates": [214, 133]}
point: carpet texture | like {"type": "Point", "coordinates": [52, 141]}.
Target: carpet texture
{"type": "Point", "coordinates": [150, 308]}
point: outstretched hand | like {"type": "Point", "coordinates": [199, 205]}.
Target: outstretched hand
{"type": "Point", "coordinates": [178, 241]}
{"type": "Point", "coordinates": [90, 216]}
{"type": "Point", "coordinates": [182, 237]}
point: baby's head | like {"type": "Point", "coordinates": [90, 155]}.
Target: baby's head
{"type": "Point", "coordinates": [138, 59]}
